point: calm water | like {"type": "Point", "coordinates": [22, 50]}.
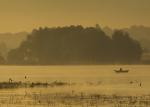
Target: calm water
{"type": "Point", "coordinates": [89, 79]}
{"type": "Point", "coordinates": [76, 73]}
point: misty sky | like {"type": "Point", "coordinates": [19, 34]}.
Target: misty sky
{"type": "Point", "coordinates": [24, 15]}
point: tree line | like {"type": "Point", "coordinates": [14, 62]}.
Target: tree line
{"type": "Point", "coordinates": [75, 45]}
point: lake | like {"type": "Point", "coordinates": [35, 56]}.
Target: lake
{"type": "Point", "coordinates": [79, 74]}
{"type": "Point", "coordinates": [91, 80]}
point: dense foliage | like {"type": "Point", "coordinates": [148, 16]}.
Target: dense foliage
{"type": "Point", "coordinates": [76, 45]}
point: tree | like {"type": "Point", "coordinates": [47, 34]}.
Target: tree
{"type": "Point", "coordinates": [126, 50]}
{"type": "Point", "coordinates": [75, 45]}
{"type": "Point", "coordinates": [2, 59]}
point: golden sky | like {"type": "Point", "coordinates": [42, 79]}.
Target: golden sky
{"type": "Point", "coordinates": [24, 15]}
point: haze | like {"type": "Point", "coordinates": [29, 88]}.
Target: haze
{"type": "Point", "coordinates": [24, 15]}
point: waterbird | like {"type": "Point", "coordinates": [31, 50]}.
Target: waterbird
{"type": "Point", "coordinates": [25, 77]}
{"type": "Point", "coordinates": [131, 82]}
{"type": "Point", "coordinates": [10, 80]}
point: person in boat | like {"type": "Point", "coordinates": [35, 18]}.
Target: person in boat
{"type": "Point", "coordinates": [120, 69]}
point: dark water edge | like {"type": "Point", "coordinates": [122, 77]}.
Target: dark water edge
{"type": "Point", "coordinates": [79, 64]}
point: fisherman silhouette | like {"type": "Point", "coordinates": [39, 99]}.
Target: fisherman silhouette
{"type": "Point", "coordinates": [120, 69]}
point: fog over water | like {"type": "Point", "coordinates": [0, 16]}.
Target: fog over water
{"type": "Point", "coordinates": [78, 74]}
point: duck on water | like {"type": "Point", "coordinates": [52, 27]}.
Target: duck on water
{"type": "Point", "coordinates": [121, 71]}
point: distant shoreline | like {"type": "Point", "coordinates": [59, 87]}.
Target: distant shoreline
{"type": "Point", "coordinates": [73, 64]}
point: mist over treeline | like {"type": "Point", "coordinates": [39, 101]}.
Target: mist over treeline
{"type": "Point", "coordinates": [75, 45]}
{"type": "Point", "coordinates": [138, 32]}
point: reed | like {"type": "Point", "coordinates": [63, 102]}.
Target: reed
{"type": "Point", "coordinates": [72, 98]}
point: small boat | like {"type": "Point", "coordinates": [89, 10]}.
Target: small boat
{"type": "Point", "coordinates": [121, 71]}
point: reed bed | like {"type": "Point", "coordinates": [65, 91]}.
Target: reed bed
{"type": "Point", "coordinates": [71, 98]}
{"type": "Point", "coordinates": [9, 85]}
